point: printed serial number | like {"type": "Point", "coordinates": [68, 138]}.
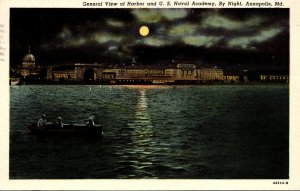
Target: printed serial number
{"type": "Point", "coordinates": [280, 182]}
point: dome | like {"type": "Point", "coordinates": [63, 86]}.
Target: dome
{"type": "Point", "coordinates": [29, 58]}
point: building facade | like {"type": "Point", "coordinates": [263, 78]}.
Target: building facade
{"type": "Point", "coordinates": [150, 74]}
{"type": "Point", "coordinates": [28, 65]}
{"type": "Point", "coordinates": [177, 72]}
{"type": "Point", "coordinates": [210, 74]}
{"type": "Point", "coordinates": [274, 78]}
{"type": "Point", "coordinates": [29, 68]}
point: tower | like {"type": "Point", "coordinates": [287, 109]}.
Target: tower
{"type": "Point", "coordinates": [28, 64]}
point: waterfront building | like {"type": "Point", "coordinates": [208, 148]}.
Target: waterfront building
{"type": "Point", "coordinates": [274, 78]}
{"type": "Point", "coordinates": [180, 72]}
{"type": "Point", "coordinates": [186, 71]}
{"type": "Point", "coordinates": [28, 65]}
{"type": "Point", "coordinates": [75, 72]}
{"type": "Point", "coordinates": [210, 74]}
{"type": "Point", "coordinates": [29, 70]}
{"type": "Point", "coordinates": [231, 78]}
{"type": "Point", "coordinates": [109, 73]}
{"type": "Point", "coordinates": [154, 74]}
{"type": "Point", "coordinates": [88, 72]}
{"type": "Point", "coordinates": [61, 73]}
{"type": "Point", "coordinates": [175, 72]}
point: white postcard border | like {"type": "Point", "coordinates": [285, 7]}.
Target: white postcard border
{"type": "Point", "coordinates": [147, 184]}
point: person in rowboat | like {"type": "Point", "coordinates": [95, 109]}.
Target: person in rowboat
{"type": "Point", "coordinates": [42, 121]}
{"type": "Point", "coordinates": [59, 123]}
{"type": "Point", "coordinates": [90, 123]}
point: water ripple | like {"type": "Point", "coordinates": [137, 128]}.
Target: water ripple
{"type": "Point", "coordinates": [153, 132]}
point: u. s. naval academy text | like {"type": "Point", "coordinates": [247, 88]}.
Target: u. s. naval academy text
{"type": "Point", "coordinates": [202, 3]}
{"type": "Point", "coordinates": [194, 3]}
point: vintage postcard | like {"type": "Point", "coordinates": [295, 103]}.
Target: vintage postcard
{"type": "Point", "coordinates": [149, 95]}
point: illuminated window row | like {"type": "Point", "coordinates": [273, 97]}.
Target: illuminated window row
{"type": "Point", "coordinates": [274, 77]}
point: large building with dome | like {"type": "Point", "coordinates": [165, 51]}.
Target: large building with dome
{"type": "Point", "coordinates": [175, 72]}
{"type": "Point", "coordinates": [29, 68]}
{"type": "Point", "coordinates": [28, 65]}
{"type": "Point", "coordinates": [181, 71]}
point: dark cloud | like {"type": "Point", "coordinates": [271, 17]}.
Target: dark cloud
{"type": "Point", "coordinates": [111, 35]}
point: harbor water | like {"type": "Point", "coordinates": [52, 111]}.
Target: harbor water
{"type": "Point", "coordinates": [182, 132]}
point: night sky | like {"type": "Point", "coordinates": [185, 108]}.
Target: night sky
{"type": "Point", "coordinates": [253, 39]}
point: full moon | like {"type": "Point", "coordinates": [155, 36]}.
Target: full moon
{"type": "Point", "coordinates": [144, 31]}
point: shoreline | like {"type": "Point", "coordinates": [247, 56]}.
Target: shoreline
{"type": "Point", "coordinates": [152, 84]}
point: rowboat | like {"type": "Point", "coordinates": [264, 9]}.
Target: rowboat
{"type": "Point", "coordinates": [67, 129]}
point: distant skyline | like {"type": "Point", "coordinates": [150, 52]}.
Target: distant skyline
{"type": "Point", "coordinates": [254, 39]}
